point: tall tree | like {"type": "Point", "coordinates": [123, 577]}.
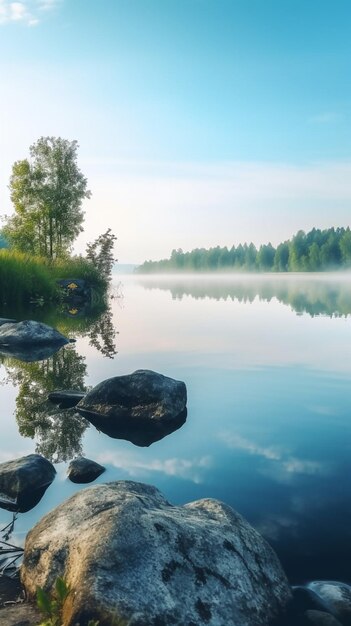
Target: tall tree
{"type": "Point", "coordinates": [47, 192]}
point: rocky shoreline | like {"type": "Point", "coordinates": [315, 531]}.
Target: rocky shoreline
{"type": "Point", "coordinates": [124, 550]}
{"type": "Point", "coordinates": [127, 554]}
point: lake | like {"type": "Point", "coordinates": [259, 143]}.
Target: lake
{"type": "Point", "coordinates": [267, 364]}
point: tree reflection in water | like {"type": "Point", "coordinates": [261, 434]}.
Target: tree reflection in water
{"type": "Point", "coordinates": [58, 433]}
{"type": "Point", "coordinates": [102, 335]}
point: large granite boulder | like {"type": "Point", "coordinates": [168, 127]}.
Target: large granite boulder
{"type": "Point", "coordinates": [29, 332]}
{"type": "Point", "coordinates": [129, 555]}
{"type": "Point", "coordinates": [82, 470]}
{"type": "Point", "coordinates": [141, 407]}
{"type": "Point", "coordinates": [24, 481]}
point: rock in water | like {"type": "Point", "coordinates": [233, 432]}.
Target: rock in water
{"type": "Point", "coordinates": [66, 398]}
{"type": "Point", "coordinates": [319, 618]}
{"type": "Point", "coordinates": [29, 332]}
{"type": "Point", "coordinates": [336, 598]}
{"type": "Point", "coordinates": [83, 470]}
{"type": "Point", "coordinates": [141, 432]}
{"type": "Point", "coordinates": [24, 481]}
{"type": "Point", "coordinates": [7, 320]}
{"type": "Point", "coordinates": [143, 395]}
{"type": "Point", "coordinates": [28, 352]}
{"type": "Point", "coordinates": [128, 554]}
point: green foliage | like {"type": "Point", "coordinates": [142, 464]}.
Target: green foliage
{"type": "Point", "coordinates": [47, 192]}
{"type": "Point", "coordinates": [25, 278]}
{"type": "Point", "coordinates": [3, 241]}
{"type": "Point", "coordinates": [79, 267]}
{"type": "Point", "coordinates": [58, 434]}
{"type": "Point", "coordinates": [317, 250]}
{"type": "Point", "coordinates": [100, 254]}
{"type": "Point", "coordinates": [52, 605]}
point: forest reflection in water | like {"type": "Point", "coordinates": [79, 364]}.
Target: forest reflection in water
{"type": "Point", "coordinates": [58, 433]}
{"type": "Point", "coordinates": [268, 401]}
{"type": "Point", "coordinates": [314, 294]}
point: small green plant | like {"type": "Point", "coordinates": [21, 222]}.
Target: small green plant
{"type": "Point", "coordinates": [52, 606]}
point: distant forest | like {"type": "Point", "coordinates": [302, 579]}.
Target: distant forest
{"type": "Point", "coordinates": [317, 250]}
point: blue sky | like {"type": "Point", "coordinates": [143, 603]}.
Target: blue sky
{"type": "Point", "coordinates": [200, 122]}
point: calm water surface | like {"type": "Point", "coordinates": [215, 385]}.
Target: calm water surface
{"type": "Point", "coordinates": [267, 364]}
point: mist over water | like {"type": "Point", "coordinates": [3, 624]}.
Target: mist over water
{"type": "Point", "coordinates": [266, 361]}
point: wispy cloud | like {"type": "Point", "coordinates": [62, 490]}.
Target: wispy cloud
{"type": "Point", "coordinates": [283, 463]}
{"type": "Point", "coordinates": [328, 117]}
{"type": "Point", "coordinates": [181, 468]}
{"type": "Point", "coordinates": [237, 442]}
{"type": "Point", "coordinates": [28, 12]}
{"type": "Point", "coordinates": [6, 456]}
{"type": "Point", "coordinates": [47, 5]}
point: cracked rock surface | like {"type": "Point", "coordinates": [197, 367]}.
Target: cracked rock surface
{"type": "Point", "coordinates": [129, 555]}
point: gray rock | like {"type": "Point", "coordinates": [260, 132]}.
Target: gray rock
{"type": "Point", "coordinates": [128, 554]}
{"type": "Point", "coordinates": [320, 618]}
{"type": "Point", "coordinates": [29, 352]}
{"type": "Point", "coordinates": [142, 407]}
{"type": "Point", "coordinates": [143, 395]}
{"type": "Point", "coordinates": [336, 597]}
{"type": "Point", "coordinates": [66, 398]}
{"type": "Point", "coordinates": [11, 589]}
{"type": "Point", "coordinates": [141, 432]}
{"type": "Point", "coordinates": [82, 470]}
{"type": "Point", "coordinates": [20, 615]}
{"type": "Point", "coordinates": [6, 320]}
{"type": "Point", "coordinates": [24, 481]}
{"type": "Point", "coordinates": [29, 332]}
{"type": "Point", "coordinates": [305, 599]}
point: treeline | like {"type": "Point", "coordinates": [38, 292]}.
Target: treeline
{"type": "Point", "coordinates": [317, 250]}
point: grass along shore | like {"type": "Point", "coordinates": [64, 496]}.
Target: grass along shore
{"type": "Point", "coordinates": [25, 278]}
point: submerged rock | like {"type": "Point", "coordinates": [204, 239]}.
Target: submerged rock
{"type": "Point", "coordinates": [140, 432]}
{"type": "Point", "coordinates": [82, 470]}
{"type": "Point", "coordinates": [24, 481]}
{"type": "Point", "coordinates": [66, 398]}
{"type": "Point", "coordinates": [128, 554]}
{"type": "Point", "coordinates": [142, 395]}
{"type": "Point", "coordinates": [29, 352]}
{"type": "Point", "coordinates": [29, 332]}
